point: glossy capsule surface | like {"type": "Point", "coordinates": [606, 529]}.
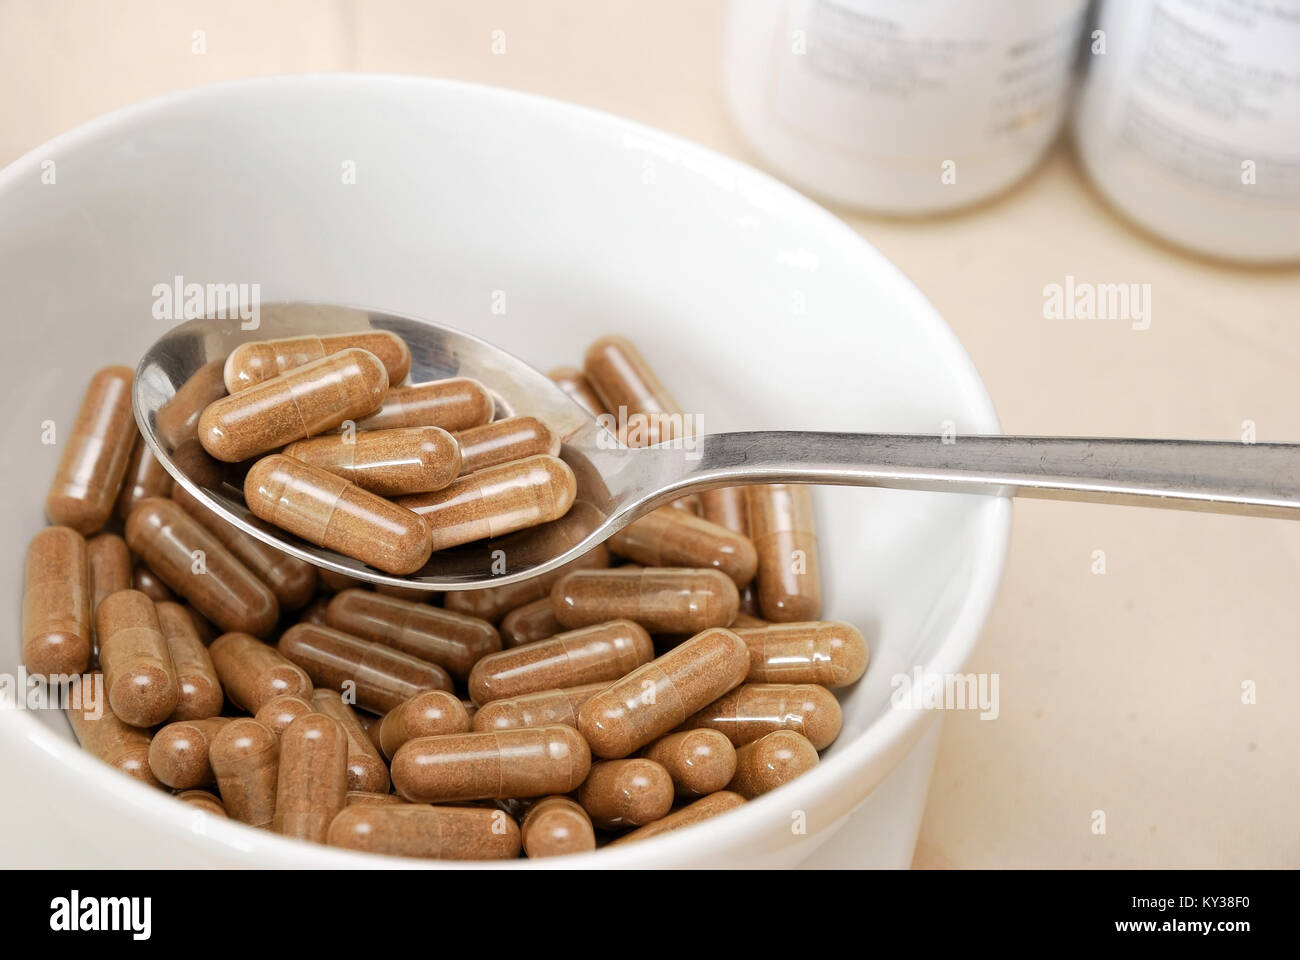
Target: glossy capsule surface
{"type": "Point", "coordinates": [826, 652]}
{"type": "Point", "coordinates": [419, 830]}
{"type": "Point", "coordinates": [700, 762]}
{"type": "Point", "coordinates": [771, 761]}
{"type": "Point", "coordinates": [308, 400]}
{"type": "Point", "coordinates": [177, 421]}
{"type": "Point", "coordinates": [251, 363]}
{"type": "Point", "coordinates": [631, 391]}
{"type": "Point", "coordinates": [380, 676]}
{"type": "Point", "coordinates": [728, 507]}
{"type": "Point", "coordinates": [452, 640]}
{"type": "Point", "coordinates": [619, 794]}
{"type": "Point", "coordinates": [278, 712]}
{"type": "Point", "coordinates": [501, 441]}
{"type": "Point", "coordinates": [575, 383]}
{"type": "Point", "coordinates": [540, 709]}
{"type": "Point", "coordinates": [103, 735]}
{"type": "Point", "coordinates": [603, 652]}
{"type": "Point", "coordinates": [203, 800]}
{"type": "Point", "coordinates": [453, 404]}
{"type": "Point", "coordinates": [532, 762]}
{"type": "Point", "coordinates": [430, 713]}
{"type": "Point", "coordinates": [253, 673]}
{"type": "Point", "coordinates": [199, 689]}
{"type": "Point", "coordinates": [312, 783]}
{"type": "Point", "coordinates": [496, 501]}
{"type": "Point", "coordinates": [179, 753]}
{"type": "Point", "coordinates": [703, 809]}
{"type": "Point", "coordinates": [661, 695]}
{"type": "Point", "coordinates": [95, 455]}
{"type": "Point", "coordinates": [331, 512]}
{"type": "Point", "coordinates": [391, 463]}
{"type": "Point", "coordinates": [784, 531]}
{"type": "Point", "coordinates": [366, 769]}
{"type": "Point", "coordinates": [139, 674]}
{"type": "Point", "coordinates": [756, 709]}
{"type": "Point", "coordinates": [245, 758]}
{"type": "Point", "coordinates": [145, 477]}
{"type": "Point", "coordinates": [109, 562]}
{"type": "Point", "coordinates": [293, 581]}
{"type": "Point", "coordinates": [529, 623]}
{"type": "Point", "coordinates": [195, 564]}
{"type": "Point", "coordinates": [663, 600]}
{"type": "Point", "coordinates": [150, 584]}
{"type": "Point", "coordinates": [556, 826]}
{"type": "Point", "coordinates": [669, 537]}
{"type": "Point", "coordinates": [56, 619]}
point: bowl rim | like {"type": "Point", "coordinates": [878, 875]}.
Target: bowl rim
{"type": "Point", "coordinates": [881, 744]}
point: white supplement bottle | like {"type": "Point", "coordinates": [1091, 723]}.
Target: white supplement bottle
{"type": "Point", "coordinates": [1188, 121]}
{"type": "Point", "coordinates": [901, 106]}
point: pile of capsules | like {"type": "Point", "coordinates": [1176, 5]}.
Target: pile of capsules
{"type": "Point", "coordinates": [661, 679]}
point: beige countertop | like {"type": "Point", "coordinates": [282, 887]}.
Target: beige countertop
{"type": "Point", "coordinates": [1120, 692]}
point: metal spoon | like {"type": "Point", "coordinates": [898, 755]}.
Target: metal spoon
{"type": "Point", "coordinates": [617, 484]}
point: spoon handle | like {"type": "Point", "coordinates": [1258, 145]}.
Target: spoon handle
{"type": "Point", "coordinates": [1261, 479]}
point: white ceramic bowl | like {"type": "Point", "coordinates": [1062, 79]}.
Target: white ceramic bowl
{"type": "Point", "coordinates": [759, 309]}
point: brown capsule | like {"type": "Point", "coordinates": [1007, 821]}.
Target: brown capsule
{"type": "Point", "coordinates": [331, 512]}
{"type": "Point", "coordinates": [366, 797]}
{"type": "Point", "coordinates": [697, 812]}
{"type": "Point", "coordinates": [206, 631]}
{"type": "Point", "coordinates": [56, 604]}
{"type": "Point", "coordinates": [771, 761]}
{"type": "Point", "coordinates": [308, 400]}
{"type": "Point", "coordinates": [102, 734]}
{"type": "Point", "coordinates": [179, 753]}
{"type": "Point", "coordinates": [314, 612]}
{"type": "Point", "coordinates": [278, 712]}
{"type": "Point", "coordinates": [493, 603]}
{"type": "Point", "coordinates": [253, 673]}
{"type": "Point", "coordinates": [756, 709]}
{"type": "Point", "coordinates": [367, 770]}
{"type": "Point", "coordinates": [699, 761]}
{"type": "Point", "coordinates": [145, 477]}
{"type": "Point", "coordinates": [200, 690]}
{"type": "Point", "coordinates": [573, 382]}
{"type": "Point", "coordinates": [689, 505]}
{"type": "Point", "coordinates": [784, 531]}
{"type": "Point", "coordinates": [382, 677]}
{"type": "Point", "coordinates": [826, 652]}
{"type": "Point", "coordinates": [312, 784]}
{"type": "Point", "coordinates": [94, 462]}
{"type": "Point", "coordinates": [251, 363]}
{"type": "Point", "coordinates": [195, 564]}
{"type": "Point", "coordinates": [728, 507]}
{"type": "Point", "coordinates": [663, 600]}
{"type": "Point", "coordinates": [529, 623]}
{"type": "Point", "coordinates": [541, 709]}
{"type": "Point", "coordinates": [659, 696]}
{"type": "Point", "coordinates": [747, 621]}
{"type": "Point", "coordinates": [432, 713]}
{"type": "Point", "coordinates": [138, 669]}
{"type": "Point", "coordinates": [749, 602]}
{"type": "Point", "coordinates": [502, 441]}
{"type": "Point", "coordinates": [531, 762]}
{"type": "Point", "coordinates": [177, 421]}
{"type": "Point", "coordinates": [391, 463]}
{"type": "Point", "coordinates": [603, 652]}
{"type": "Point", "coordinates": [293, 581]}
{"type": "Point", "coordinates": [554, 827]}
{"type": "Point", "coordinates": [150, 584]}
{"type": "Point", "coordinates": [202, 800]}
{"type": "Point", "coordinates": [452, 640]}
{"type": "Point", "coordinates": [245, 758]}
{"type": "Point", "coordinates": [110, 566]}
{"type": "Point", "coordinates": [455, 404]}
{"type": "Point", "coordinates": [669, 537]}
{"type": "Point", "coordinates": [339, 581]}
{"type": "Point", "coordinates": [618, 794]}
{"type": "Point", "coordinates": [419, 830]}
{"type": "Point", "coordinates": [632, 393]}
{"type": "Point", "coordinates": [414, 594]}
{"type": "Point", "coordinates": [496, 501]}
